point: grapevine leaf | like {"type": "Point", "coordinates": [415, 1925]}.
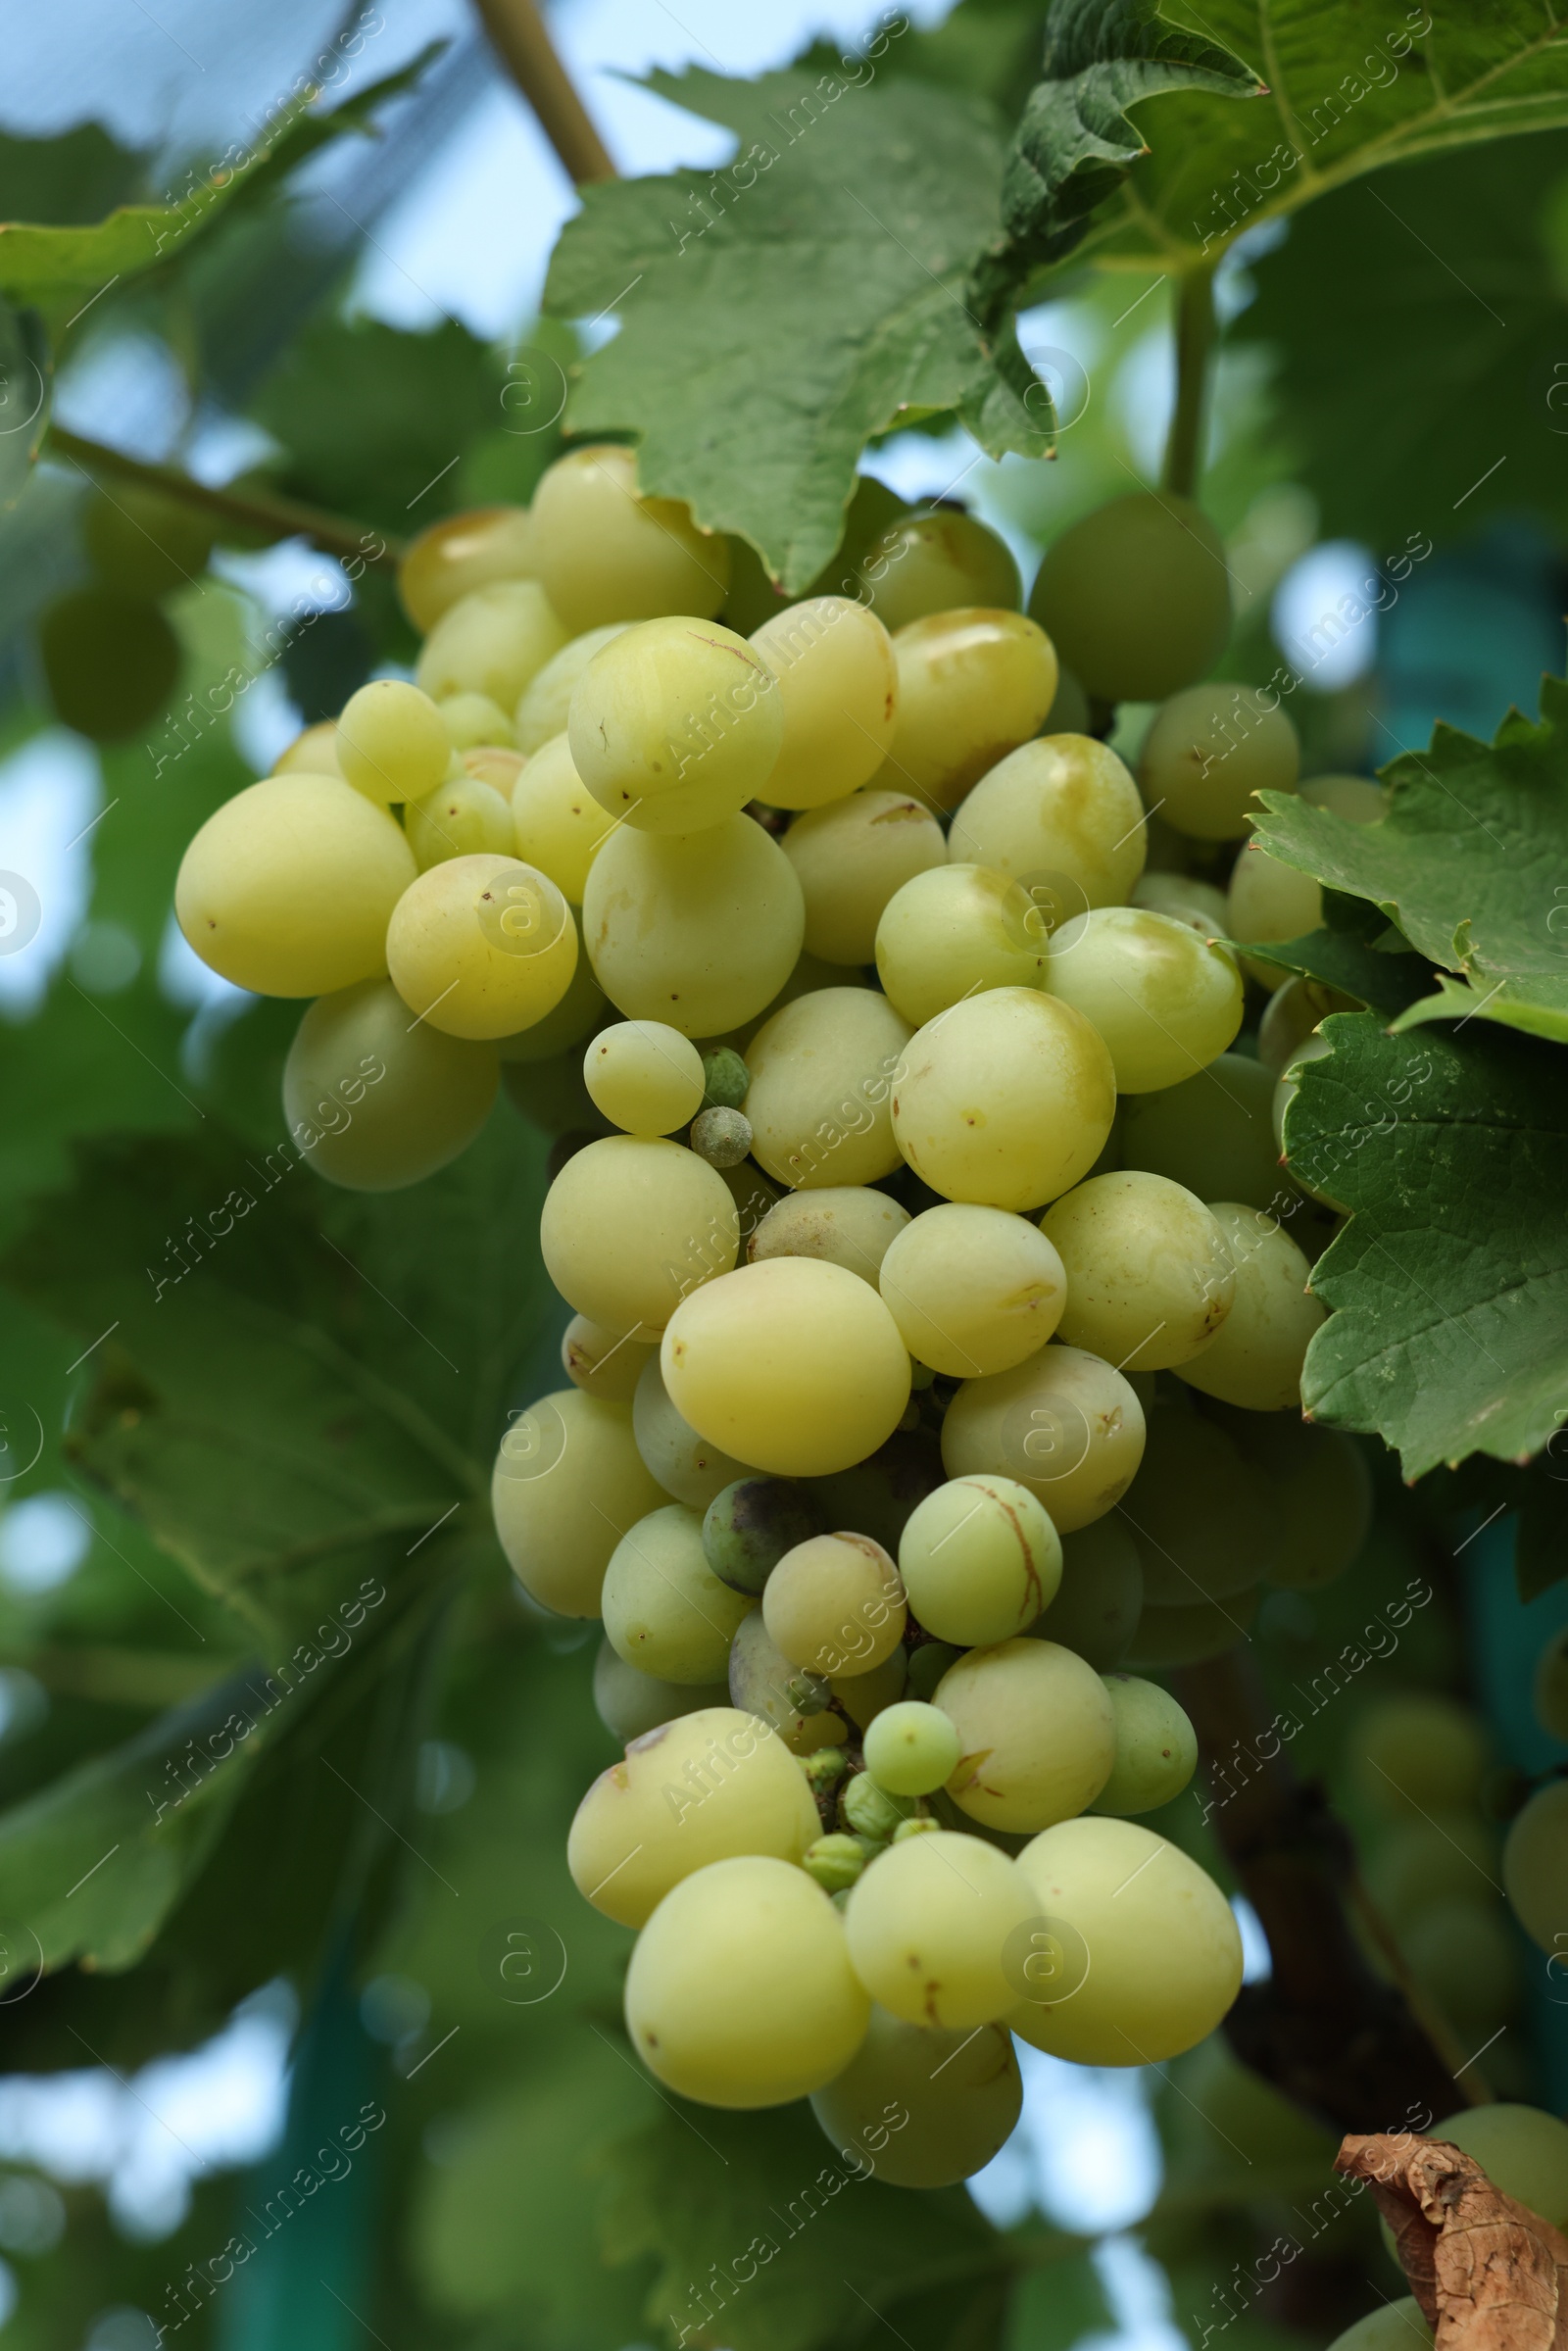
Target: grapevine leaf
{"type": "Point", "coordinates": [27, 381]}
{"type": "Point", "coordinates": [776, 316]}
{"type": "Point", "coordinates": [1357, 951]}
{"type": "Point", "coordinates": [1448, 1285]}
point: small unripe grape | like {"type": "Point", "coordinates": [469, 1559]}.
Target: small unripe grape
{"type": "Point", "coordinates": [1210, 751]}
{"type": "Point", "coordinates": [927, 1665]}
{"type": "Point", "coordinates": [1156, 1748]}
{"type": "Point", "coordinates": [1164, 1001]}
{"type": "Point", "coordinates": [911, 1748]}
{"type": "Point", "coordinates": [461, 553]}
{"type": "Point", "coordinates": [473, 719]}
{"type": "Point", "coordinates": [837, 683]}
{"type": "Point", "coordinates": [835, 1605]}
{"type": "Point", "coordinates": [110, 660]}
{"type": "Point", "coordinates": [458, 820]}
{"type": "Point", "coordinates": [391, 742]}
{"type": "Point", "coordinates": [722, 1138]}
{"type": "Point", "coordinates": [1136, 597]}
{"type": "Point", "coordinates": [973, 684]}
{"type": "Point", "coordinates": [835, 1862]}
{"type": "Point", "coordinates": [603, 552]}
{"type": "Point", "coordinates": [954, 932]}
{"type": "Point", "coordinates": [143, 543]}
{"type": "Point", "coordinates": [748, 1527]}
{"type": "Point", "coordinates": [873, 1811]}
{"type": "Point", "coordinates": [933, 563]}
{"type": "Point", "coordinates": [1062, 813]}
{"type": "Point", "coordinates": [492, 641]}
{"type": "Point", "coordinates": [644, 1076]}
{"type": "Point", "coordinates": [725, 1079]}
{"type": "Point", "coordinates": [604, 1364]}
{"type": "Point", "coordinates": [546, 702]}
{"type": "Point", "coordinates": [675, 724]}
{"type": "Point", "coordinates": [852, 856]}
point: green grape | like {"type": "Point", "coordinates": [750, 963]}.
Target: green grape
{"type": "Point", "coordinates": [863, 1695]}
{"type": "Point", "coordinates": [630, 1225]}
{"type": "Point", "coordinates": [1270, 900]}
{"type": "Point", "coordinates": [582, 1009]}
{"type": "Point", "coordinates": [604, 1364]}
{"type": "Point", "coordinates": [702, 930]}
{"type": "Point", "coordinates": [546, 702]}
{"type": "Point", "coordinates": [461, 818]}
{"type": "Point", "coordinates": [1036, 1728]}
{"type": "Point", "coordinates": [602, 552]}
{"type": "Point", "coordinates": [1289, 1018]}
{"type": "Point", "coordinates": [492, 763]}
{"type": "Point", "coordinates": [462, 553]}
{"type": "Point", "coordinates": [1098, 1602]}
{"type": "Point", "coordinates": [834, 1605]}
{"type": "Point", "coordinates": [1535, 1868]}
{"type": "Point", "coordinates": [695, 1790]}
{"type": "Point", "coordinates": [927, 1924]}
{"type": "Point", "coordinates": [1165, 1001]}
{"type": "Point", "coordinates": [927, 1666]}
{"type": "Point", "coordinates": [980, 1560]}
{"type": "Point", "coordinates": [1393, 2326]}
{"type": "Point", "coordinates": [1416, 1863]}
{"type": "Point", "coordinates": [1203, 1515]}
{"type": "Point", "coordinates": [312, 753]}
{"type": "Point", "coordinates": [877, 1494]}
{"type": "Point", "coordinates": [289, 887]}
{"type": "Point", "coordinates": [1465, 1959]}
{"type": "Point", "coordinates": [664, 1608]}
{"type": "Point", "coordinates": [874, 1813]}
{"type": "Point", "coordinates": [740, 1991]}
{"type": "Point", "coordinates": [110, 662]}
{"type": "Point", "coordinates": [568, 1482]}
{"type": "Point", "coordinates": [558, 825]}
{"type": "Point", "coordinates": [1523, 2151]}
{"type": "Point", "coordinates": [685, 1464]}
{"type": "Point", "coordinates": [1204, 909]}
{"type": "Point", "coordinates": [972, 685]}
{"type": "Point", "coordinates": [911, 1748]}
{"type": "Point", "coordinates": [923, 2108]}
{"type": "Point", "coordinates": [726, 1080]}
{"type": "Point", "coordinates": [1351, 797]}
{"type": "Point", "coordinates": [1169, 1636]}
{"type": "Point", "coordinates": [852, 858]}
{"type": "Point", "coordinates": [1418, 1751]}
{"type": "Point", "coordinates": [823, 1071]}
{"type": "Point", "coordinates": [835, 1862]}
{"type": "Point", "coordinates": [1149, 1271]}
{"type": "Point", "coordinates": [1152, 1954]}
{"type": "Point", "coordinates": [629, 1702]}
{"type": "Point", "coordinates": [1550, 1693]}
{"type": "Point", "coordinates": [750, 1526]}
{"type": "Point", "coordinates": [795, 1366]}
{"type": "Point", "coordinates": [973, 1289]}
{"type": "Point", "coordinates": [1255, 1357]}
{"type": "Point", "coordinates": [722, 1138]}
{"type": "Point", "coordinates": [1063, 1423]}
{"type": "Point", "coordinates": [376, 1103]}
{"type": "Point", "coordinates": [675, 724]}
{"type": "Point", "coordinates": [493, 641]}
{"type": "Point", "coordinates": [1005, 1100]}
{"type": "Point", "coordinates": [392, 744]}
{"type": "Point", "coordinates": [841, 1224]}
{"type": "Point", "coordinates": [763, 1682]}
{"type": "Point", "coordinates": [1212, 1134]}
{"type": "Point", "coordinates": [472, 720]}
{"type": "Point", "coordinates": [644, 1076]}
{"type": "Point", "coordinates": [954, 933]}
{"type": "Point", "coordinates": [481, 946]}
{"type": "Point", "coordinates": [1207, 755]}
{"type": "Point", "coordinates": [933, 563]}
{"type": "Point", "coordinates": [1136, 597]}
{"type": "Point", "coordinates": [143, 543]}
{"type": "Point", "coordinates": [1312, 1049]}
{"type": "Point", "coordinates": [1063, 815]}
{"type": "Point", "coordinates": [1156, 1748]}
{"type": "Point", "coordinates": [837, 687]}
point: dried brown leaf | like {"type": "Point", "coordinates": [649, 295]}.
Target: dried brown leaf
{"type": "Point", "coordinates": [1489, 2274]}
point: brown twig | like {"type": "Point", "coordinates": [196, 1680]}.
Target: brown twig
{"type": "Point", "coordinates": [521, 39]}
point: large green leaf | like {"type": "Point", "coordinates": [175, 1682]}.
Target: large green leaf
{"type": "Point", "coordinates": [26, 380]}
{"type": "Point", "coordinates": [1356, 950]}
{"type": "Point", "coordinates": [1449, 1287]}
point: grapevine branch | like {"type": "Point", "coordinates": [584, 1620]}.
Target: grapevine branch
{"type": "Point", "coordinates": [1195, 342]}
{"type": "Point", "coordinates": [519, 37]}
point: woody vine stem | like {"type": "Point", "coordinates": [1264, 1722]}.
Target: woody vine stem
{"type": "Point", "coordinates": [1195, 325]}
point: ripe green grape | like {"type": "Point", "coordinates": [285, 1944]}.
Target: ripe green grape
{"type": "Point", "coordinates": [644, 1076]}
{"type": "Point", "coordinates": [1204, 909]}
{"type": "Point", "coordinates": [481, 946]}
{"type": "Point", "coordinates": [1098, 1602]}
{"type": "Point", "coordinates": [954, 932]}
{"type": "Point", "coordinates": [751, 1525]}
{"type": "Point", "coordinates": [1136, 597]}
{"type": "Point", "coordinates": [842, 1224]}
{"type": "Point", "coordinates": [1270, 900]}
{"type": "Point", "coordinates": [1005, 1100]}
{"type": "Point", "coordinates": [545, 704]}
{"type": "Point", "coordinates": [568, 1482]}
{"type": "Point", "coordinates": [702, 930]}
{"type": "Point", "coordinates": [630, 1225]}
{"type": "Point", "coordinates": [463, 818]}
{"type": "Point", "coordinates": [1255, 1357]}
{"type": "Point", "coordinates": [558, 825]}
{"type": "Point", "coordinates": [972, 686]}
{"type": "Point", "coordinates": [1212, 1134]}
{"type": "Point", "coordinates": [1415, 1863]}
{"type": "Point", "coordinates": [851, 857]}
{"type": "Point", "coordinates": [1535, 1868]}
{"type": "Point", "coordinates": [675, 724]}
{"type": "Point", "coordinates": [473, 720]}
{"type": "Point", "coordinates": [973, 1289]}
{"type": "Point", "coordinates": [493, 641]}
{"type": "Point", "coordinates": [795, 1366]}
{"type": "Point", "coordinates": [837, 687]}
{"type": "Point", "coordinates": [823, 1071]}
{"type": "Point", "coordinates": [1289, 1018]}
{"type": "Point", "coordinates": [927, 1925]}
{"type": "Point", "coordinates": [1149, 1271]}
{"type": "Point", "coordinates": [664, 1607]}
{"type": "Point", "coordinates": [602, 552]}
{"type": "Point", "coordinates": [462, 553]}
{"type": "Point", "coordinates": [877, 1495]}
{"type": "Point", "coordinates": [1209, 751]}
{"type": "Point", "coordinates": [698, 1789]}
{"type": "Point", "coordinates": [923, 2108]}
{"type": "Point", "coordinates": [311, 753]}
{"type": "Point", "coordinates": [1036, 1728]}
{"type": "Point", "coordinates": [927, 563]}
{"type": "Point", "coordinates": [763, 1682]}
{"type": "Point", "coordinates": [392, 743]}
{"type": "Point", "coordinates": [1418, 1751]}
{"type": "Point", "coordinates": [834, 1605]}
{"type": "Point", "coordinates": [1063, 1423]}
{"type": "Point", "coordinates": [1165, 1001]}
{"type": "Point", "coordinates": [1156, 1747]}
{"type": "Point", "coordinates": [110, 662]}
{"type": "Point", "coordinates": [289, 887]}
{"type": "Point", "coordinates": [911, 1748]}
{"type": "Point", "coordinates": [143, 543]}
{"type": "Point", "coordinates": [1522, 2151]}
{"type": "Point", "coordinates": [1465, 1958]}
{"type": "Point", "coordinates": [582, 1009]}
{"type": "Point", "coordinates": [740, 1991]}
{"type": "Point", "coordinates": [376, 1103]}
{"type": "Point", "coordinates": [685, 1464]}
{"type": "Point", "coordinates": [604, 1364]}
{"type": "Point", "coordinates": [1203, 1515]}
{"type": "Point", "coordinates": [1159, 1954]}
{"type": "Point", "coordinates": [1550, 1693]}
{"type": "Point", "coordinates": [1393, 2326]}
{"type": "Point", "coordinates": [1061, 813]}
{"type": "Point", "coordinates": [1169, 1636]}
{"type": "Point", "coordinates": [629, 1702]}
{"type": "Point", "coordinates": [980, 1560]}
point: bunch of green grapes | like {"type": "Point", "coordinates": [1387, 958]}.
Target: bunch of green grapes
{"type": "Point", "coordinates": [933, 1379]}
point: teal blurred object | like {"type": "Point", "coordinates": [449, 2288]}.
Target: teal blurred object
{"type": "Point", "coordinates": [1472, 633]}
